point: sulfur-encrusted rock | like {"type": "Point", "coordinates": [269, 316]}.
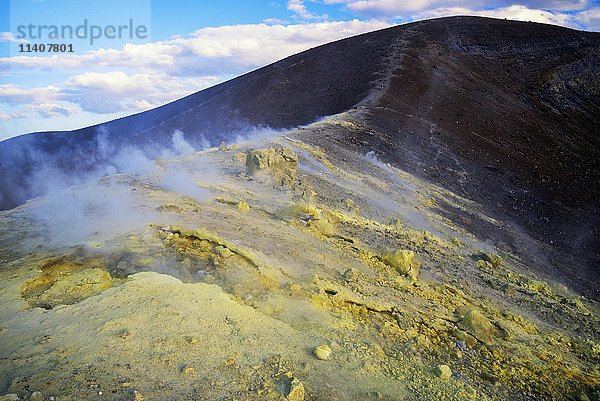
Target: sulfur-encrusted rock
{"type": "Point", "coordinates": [189, 371]}
{"type": "Point", "coordinates": [281, 163]}
{"type": "Point", "coordinates": [404, 261]}
{"type": "Point", "coordinates": [243, 206]}
{"type": "Point", "coordinates": [462, 335]}
{"type": "Point", "coordinates": [476, 324]}
{"type": "Point", "coordinates": [323, 352]}
{"type": "Point", "coordinates": [291, 387]}
{"type": "Point", "coordinates": [296, 392]}
{"type": "Point", "coordinates": [443, 372]}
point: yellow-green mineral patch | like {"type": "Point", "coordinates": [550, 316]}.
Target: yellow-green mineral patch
{"type": "Point", "coordinates": [63, 281]}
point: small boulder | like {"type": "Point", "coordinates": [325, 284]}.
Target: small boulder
{"type": "Point", "coordinates": [461, 335]}
{"type": "Point", "coordinates": [404, 261]}
{"type": "Point", "coordinates": [443, 372]}
{"type": "Point", "coordinates": [476, 324]}
{"type": "Point", "coordinates": [296, 391]}
{"type": "Point", "coordinates": [323, 352]}
{"type": "Point", "coordinates": [280, 163]}
{"type": "Point", "coordinates": [243, 206]}
{"type": "Point", "coordinates": [189, 371]}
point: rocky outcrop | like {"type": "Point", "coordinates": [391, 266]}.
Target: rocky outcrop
{"type": "Point", "coordinates": [476, 324]}
{"type": "Point", "coordinates": [404, 261]}
{"type": "Point", "coordinates": [280, 163]}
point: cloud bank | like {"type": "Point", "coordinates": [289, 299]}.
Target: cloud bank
{"type": "Point", "coordinates": [138, 77]}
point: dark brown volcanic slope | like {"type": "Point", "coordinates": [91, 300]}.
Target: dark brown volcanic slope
{"type": "Point", "coordinates": [507, 114]}
{"type": "Point", "coordinates": [504, 113]}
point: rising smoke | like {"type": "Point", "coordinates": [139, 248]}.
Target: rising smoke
{"type": "Point", "coordinates": [80, 206]}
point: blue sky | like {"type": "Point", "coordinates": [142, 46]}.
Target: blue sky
{"type": "Point", "coordinates": [191, 45]}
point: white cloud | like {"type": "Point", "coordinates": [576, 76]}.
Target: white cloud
{"type": "Point", "coordinates": [522, 13]}
{"type": "Point", "coordinates": [396, 8]}
{"type": "Point", "coordinates": [589, 19]}
{"type": "Point", "coordinates": [570, 13]}
{"type": "Point", "coordinates": [114, 83]}
{"type": "Point", "coordinates": [37, 102]}
{"type": "Point", "coordinates": [49, 110]}
{"type": "Point", "coordinates": [259, 44]}
{"type": "Point", "coordinates": [12, 116]}
{"type": "Point", "coordinates": [138, 77]}
{"type": "Point", "coordinates": [13, 94]}
{"type": "Point", "coordinates": [100, 93]}
{"type": "Point", "coordinates": [298, 8]}
{"type": "Point", "coordinates": [388, 7]}
{"type": "Point", "coordinates": [275, 21]}
{"type": "Point", "coordinates": [519, 13]}
{"type": "Point", "coordinates": [39, 111]}
{"type": "Point", "coordinates": [9, 37]}
{"type": "Point", "coordinates": [229, 49]}
{"type": "Point", "coordinates": [408, 9]}
{"type": "Point", "coordinates": [115, 91]}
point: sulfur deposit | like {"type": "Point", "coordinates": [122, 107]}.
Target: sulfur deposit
{"type": "Point", "coordinates": [346, 284]}
{"type": "Point", "coordinates": [280, 163]}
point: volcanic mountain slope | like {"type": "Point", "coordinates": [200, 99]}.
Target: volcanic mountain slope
{"type": "Point", "coordinates": [274, 269]}
{"type": "Point", "coordinates": [504, 113]}
{"type": "Point", "coordinates": [414, 245]}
